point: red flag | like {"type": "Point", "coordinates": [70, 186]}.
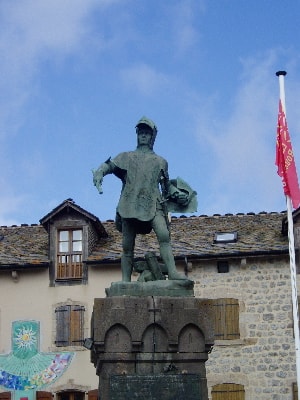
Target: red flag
{"type": "Point", "coordinates": [285, 160]}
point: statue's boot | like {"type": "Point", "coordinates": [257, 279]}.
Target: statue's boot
{"type": "Point", "coordinates": [175, 275]}
{"type": "Point", "coordinates": [168, 259]}
{"type": "Point", "coordinates": [126, 266]}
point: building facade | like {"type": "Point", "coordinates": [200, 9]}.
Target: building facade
{"type": "Point", "coordinates": [51, 273]}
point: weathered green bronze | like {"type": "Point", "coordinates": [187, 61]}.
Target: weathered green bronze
{"type": "Point", "coordinates": [147, 196]}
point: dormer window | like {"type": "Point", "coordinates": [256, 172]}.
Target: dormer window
{"type": "Point", "coordinates": [73, 233]}
{"type": "Point", "coordinates": [69, 254]}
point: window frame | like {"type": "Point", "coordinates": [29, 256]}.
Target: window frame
{"type": "Point", "coordinates": [225, 237]}
{"type": "Point", "coordinates": [70, 324]}
{"type": "Point", "coordinates": [69, 269]}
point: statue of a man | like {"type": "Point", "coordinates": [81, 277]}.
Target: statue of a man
{"type": "Point", "coordinates": [146, 188]}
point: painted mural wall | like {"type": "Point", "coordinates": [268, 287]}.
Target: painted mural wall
{"type": "Point", "coordinates": [25, 369]}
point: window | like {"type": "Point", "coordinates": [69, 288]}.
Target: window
{"type": "Point", "coordinates": [225, 237]}
{"type": "Point", "coordinates": [228, 391]}
{"type": "Point", "coordinates": [226, 315]}
{"type": "Point", "coordinates": [69, 254]}
{"type": "Point", "coordinates": [93, 394]}
{"type": "Point", "coordinates": [223, 267]}
{"type": "Point", "coordinates": [5, 396]}
{"type": "Point", "coordinates": [70, 395]}
{"type": "Point", "coordinates": [69, 325]}
{"type": "Point", "coordinates": [43, 395]}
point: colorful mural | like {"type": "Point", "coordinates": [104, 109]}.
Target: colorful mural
{"type": "Point", "coordinates": [25, 368]}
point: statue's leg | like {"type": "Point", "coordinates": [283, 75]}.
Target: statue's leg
{"type": "Point", "coordinates": [128, 241]}
{"type": "Point", "coordinates": [163, 236]}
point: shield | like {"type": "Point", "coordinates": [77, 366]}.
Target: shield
{"type": "Point", "coordinates": [192, 203]}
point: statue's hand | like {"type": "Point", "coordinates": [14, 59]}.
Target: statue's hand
{"type": "Point", "coordinates": [181, 198]}
{"type": "Point", "coordinates": [99, 186]}
{"type": "Point", "coordinates": [98, 179]}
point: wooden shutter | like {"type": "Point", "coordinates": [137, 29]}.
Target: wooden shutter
{"type": "Point", "coordinates": [228, 391]}
{"type": "Point", "coordinates": [5, 396]}
{"type": "Point", "coordinates": [62, 326]}
{"type": "Point", "coordinates": [76, 325]}
{"type": "Point", "coordinates": [43, 395]}
{"type": "Point", "coordinates": [93, 394]}
{"type": "Point", "coordinates": [226, 318]}
{"type": "Point", "coordinates": [295, 391]}
{"type": "Point", "coordinates": [69, 325]}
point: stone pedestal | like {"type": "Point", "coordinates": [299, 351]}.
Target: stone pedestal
{"type": "Point", "coordinates": [151, 347]}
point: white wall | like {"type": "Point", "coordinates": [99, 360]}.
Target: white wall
{"type": "Point", "coordinates": [31, 298]}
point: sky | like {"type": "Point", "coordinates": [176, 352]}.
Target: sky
{"type": "Point", "coordinates": [77, 75]}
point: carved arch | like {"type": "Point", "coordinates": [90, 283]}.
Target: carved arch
{"type": "Point", "coordinates": [117, 339]}
{"type": "Point", "coordinates": [191, 339]}
{"type": "Point", "coordinates": [154, 339]}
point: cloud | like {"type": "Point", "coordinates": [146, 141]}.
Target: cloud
{"type": "Point", "coordinates": [184, 17]}
{"type": "Point", "coordinates": [32, 33]}
{"type": "Point", "coordinates": [242, 142]}
{"type": "Point", "coordinates": [144, 79]}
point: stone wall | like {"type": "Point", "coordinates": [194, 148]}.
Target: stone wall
{"type": "Point", "coordinates": [263, 359]}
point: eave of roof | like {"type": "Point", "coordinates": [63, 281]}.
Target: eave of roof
{"type": "Point", "coordinates": [27, 267]}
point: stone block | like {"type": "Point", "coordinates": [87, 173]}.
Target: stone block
{"type": "Point", "coordinates": [162, 343]}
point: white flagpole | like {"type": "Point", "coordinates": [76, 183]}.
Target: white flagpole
{"type": "Point", "coordinates": [281, 75]}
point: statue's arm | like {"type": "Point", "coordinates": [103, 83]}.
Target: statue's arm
{"type": "Point", "coordinates": [105, 168]}
{"type": "Point", "coordinates": [171, 191]}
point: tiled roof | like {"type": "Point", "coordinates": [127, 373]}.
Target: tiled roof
{"type": "Point", "coordinates": [192, 237]}
{"type": "Point", "coordinates": [23, 246]}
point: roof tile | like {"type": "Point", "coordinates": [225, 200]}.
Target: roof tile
{"type": "Point", "coordinates": [194, 237]}
{"type": "Point", "coordinates": [191, 237]}
{"type": "Point", "coordinates": [23, 245]}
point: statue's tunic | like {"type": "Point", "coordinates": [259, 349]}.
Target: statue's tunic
{"type": "Point", "coordinates": [141, 173]}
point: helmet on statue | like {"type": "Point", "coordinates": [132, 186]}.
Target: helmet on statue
{"type": "Point", "coordinates": [150, 124]}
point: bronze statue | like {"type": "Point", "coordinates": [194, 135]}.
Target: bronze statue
{"type": "Point", "coordinates": [143, 201]}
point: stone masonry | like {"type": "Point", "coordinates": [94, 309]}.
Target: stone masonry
{"type": "Point", "coordinates": [263, 359]}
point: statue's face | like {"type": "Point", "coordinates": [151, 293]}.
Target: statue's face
{"type": "Point", "coordinates": [144, 136]}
